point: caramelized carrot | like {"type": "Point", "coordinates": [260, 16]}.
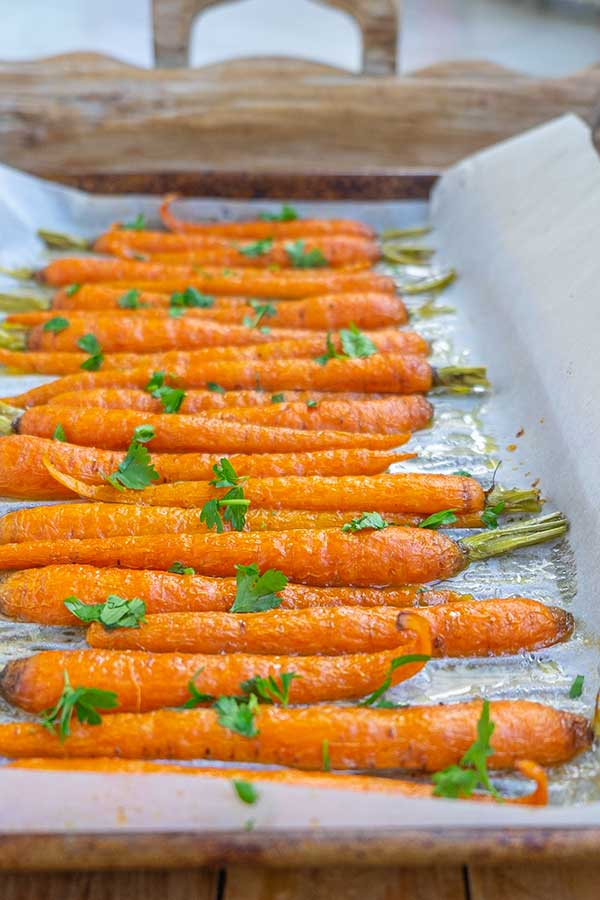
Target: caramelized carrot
{"type": "Point", "coordinates": [106, 297]}
{"type": "Point", "coordinates": [471, 628]}
{"type": "Point", "coordinates": [294, 777]}
{"type": "Point", "coordinates": [38, 595]}
{"type": "Point", "coordinates": [383, 373]}
{"type": "Point", "coordinates": [329, 312]}
{"type": "Point", "coordinates": [260, 228]}
{"type": "Point", "coordinates": [414, 493]}
{"type": "Point", "coordinates": [146, 681]}
{"type": "Point", "coordinates": [418, 738]}
{"type": "Point", "coordinates": [112, 429]}
{"type": "Point", "coordinates": [23, 474]}
{"type": "Point", "coordinates": [292, 284]}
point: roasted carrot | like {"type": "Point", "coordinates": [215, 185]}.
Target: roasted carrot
{"type": "Point", "coordinates": [142, 334]}
{"type": "Point", "coordinates": [260, 228]}
{"type": "Point", "coordinates": [373, 784]}
{"type": "Point", "coordinates": [146, 681]}
{"type": "Point", "coordinates": [471, 628]}
{"type": "Point", "coordinates": [289, 283]}
{"type": "Point", "coordinates": [418, 738]}
{"type": "Point", "coordinates": [23, 474]}
{"type": "Point", "coordinates": [383, 373]}
{"type": "Point", "coordinates": [414, 493]}
{"type": "Point", "coordinates": [106, 297]}
{"type": "Point", "coordinates": [329, 312]}
{"type": "Point", "coordinates": [391, 556]}
{"type": "Point", "coordinates": [38, 595]}
{"type": "Point", "coordinates": [112, 429]}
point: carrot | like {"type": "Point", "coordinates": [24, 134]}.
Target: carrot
{"type": "Point", "coordinates": [418, 738]}
{"type": "Point", "coordinates": [391, 556]}
{"type": "Point", "coordinates": [90, 297]}
{"type": "Point", "coordinates": [38, 595]}
{"type": "Point", "coordinates": [112, 429]}
{"type": "Point", "coordinates": [471, 628]}
{"type": "Point", "coordinates": [291, 284]}
{"type": "Point", "coordinates": [332, 250]}
{"type": "Point", "coordinates": [142, 334]}
{"type": "Point", "coordinates": [146, 681]}
{"type": "Point", "coordinates": [294, 777]}
{"type": "Point", "coordinates": [328, 312]}
{"type": "Point", "coordinates": [261, 228]}
{"type": "Point", "coordinates": [383, 373]}
{"type": "Point", "coordinates": [23, 474]}
{"type": "Point", "coordinates": [413, 493]}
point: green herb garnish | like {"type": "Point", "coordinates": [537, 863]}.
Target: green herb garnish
{"type": "Point", "coordinates": [189, 299]}
{"type": "Point", "coordinates": [136, 470]}
{"type": "Point", "coordinates": [237, 715]}
{"type": "Point", "coordinates": [261, 310]}
{"type": "Point", "coordinates": [462, 779]}
{"type": "Point", "coordinates": [215, 388]}
{"type": "Point", "coordinates": [178, 568]}
{"type": "Point", "coordinates": [371, 520]}
{"type": "Point", "coordinates": [115, 612]}
{"type": "Point", "coordinates": [287, 214]}
{"type": "Point", "coordinates": [311, 404]}
{"type": "Point", "coordinates": [258, 248]}
{"type": "Point", "coordinates": [83, 701]}
{"type": "Point", "coordinates": [130, 300]}
{"type": "Point", "coordinates": [356, 344]}
{"type": "Point", "coordinates": [371, 699]}
{"type": "Point", "coordinates": [233, 502]}
{"type": "Point", "coordinates": [72, 289]}
{"type": "Point", "coordinates": [267, 690]}
{"type": "Point", "coordinates": [58, 323]}
{"type": "Point", "coordinates": [89, 344]}
{"type": "Point", "coordinates": [255, 592]}
{"type": "Point", "coordinates": [59, 433]}
{"type": "Point", "coordinates": [438, 519]}
{"type": "Point", "coordinates": [330, 352]}
{"type": "Point", "coordinates": [576, 689]}
{"type": "Point", "coordinates": [277, 398]}
{"type": "Point", "coordinates": [245, 791]}
{"type": "Point", "coordinates": [304, 259]}
{"type": "Point", "coordinates": [489, 516]}
{"type": "Point", "coordinates": [137, 224]}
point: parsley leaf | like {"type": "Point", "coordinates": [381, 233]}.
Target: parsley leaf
{"type": "Point", "coordinates": [489, 516]}
{"type": "Point", "coordinates": [287, 214]}
{"type": "Point", "coordinates": [83, 701]}
{"type": "Point", "coordinates": [237, 715]}
{"type": "Point", "coordinates": [131, 300]}
{"type": "Point", "coordinates": [135, 471]}
{"type": "Point", "coordinates": [137, 224]}
{"type": "Point", "coordinates": [171, 398]}
{"type": "Point", "coordinates": [267, 690]}
{"type": "Point", "coordinates": [210, 515]}
{"type": "Point", "coordinates": [57, 323]}
{"type": "Point", "coordinates": [444, 517]}
{"type": "Point", "coordinates": [233, 502]}
{"type": "Point", "coordinates": [157, 380]}
{"type": "Point", "coordinates": [372, 699]}
{"type": "Point", "coordinates": [245, 791]}
{"type": "Point", "coordinates": [261, 310]}
{"type": "Point", "coordinates": [277, 398]}
{"type": "Point", "coordinates": [178, 568]}
{"type": "Point", "coordinates": [189, 299]}
{"type": "Point", "coordinates": [115, 612]}
{"type": "Point", "coordinates": [461, 780]}
{"type": "Point", "coordinates": [59, 433]}
{"type": "Point", "coordinates": [258, 248]}
{"type": "Point", "coordinates": [302, 259]}
{"type": "Point", "coordinates": [216, 388]}
{"type": "Point", "coordinates": [196, 698]}
{"type": "Point", "coordinates": [225, 475]}
{"type": "Point", "coordinates": [72, 289]}
{"type": "Point", "coordinates": [89, 344]}
{"type": "Point", "coordinates": [330, 352]}
{"type": "Point", "coordinates": [355, 343]}
{"type": "Point", "coordinates": [312, 404]}
{"type": "Point", "coordinates": [576, 689]}
{"type": "Point", "coordinates": [463, 473]}
{"type": "Point", "coordinates": [257, 593]}
{"type": "Point", "coordinates": [367, 520]}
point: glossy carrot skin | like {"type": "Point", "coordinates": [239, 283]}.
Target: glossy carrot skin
{"type": "Point", "coordinates": [383, 373]}
{"type": "Point", "coordinates": [146, 681]}
{"type": "Point", "coordinates": [329, 312]}
{"type": "Point", "coordinates": [23, 474]}
{"type": "Point", "coordinates": [292, 284]}
{"type": "Point", "coordinates": [38, 595]}
{"type": "Point", "coordinates": [143, 334]}
{"type": "Point", "coordinates": [413, 493]}
{"type": "Point", "coordinates": [393, 556]}
{"type": "Point", "coordinates": [112, 429]}
{"type": "Point", "coordinates": [471, 628]}
{"type": "Point", "coordinates": [419, 738]}
{"type": "Point", "coordinates": [91, 297]}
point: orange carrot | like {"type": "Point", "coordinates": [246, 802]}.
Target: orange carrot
{"type": "Point", "coordinates": [329, 312]}
{"type": "Point", "coordinates": [146, 681]}
{"type": "Point", "coordinates": [383, 373]}
{"type": "Point", "coordinates": [414, 493]}
{"type": "Point", "coordinates": [106, 297]}
{"type": "Point", "coordinates": [112, 429]}
{"type": "Point", "coordinates": [293, 284]}
{"type": "Point", "coordinates": [261, 228]}
{"type": "Point", "coordinates": [294, 777]}
{"type": "Point", "coordinates": [418, 738]}
{"type": "Point", "coordinates": [475, 628]}
{"type": "Point", "coordinates": [38, 595]}
{"type": "Point", "coordinates": [23, 474]}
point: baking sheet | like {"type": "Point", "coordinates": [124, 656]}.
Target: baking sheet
{"type": "Point", "coordinates": [520, 223]}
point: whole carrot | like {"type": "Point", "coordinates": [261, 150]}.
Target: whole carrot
{"type": "Point", "coordinates": [292, 283]}
{"type": "Point", "coordinates": [146, 681]}
{"type": "Point", "coordinates": [112, 429]}
{"type": "Point", "coordinates": [23, 474]}
{"type": "Point", "coordinates": [413, 493]}
{"type": "Point", "coordinates": [383, 373]}
{"type": "Point", "coordinates": [418, 738]}
{"type": "Point", "coordinates": [329, 312]}
{"type": "Point", "coordinates": [391, 556]}
{"type": "Point", "coordinates": [108, 297]}
{"type": "Point", "coordinates": [38, 595]}
{"type": "Point", "coordinates": [294, 777]}
{"type": "Point", "coordinates": [261, 228]}
{"type": "Point", "coordinates": [471, 628]}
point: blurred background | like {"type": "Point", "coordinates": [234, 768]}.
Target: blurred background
{"type": "Point", "coordinates": [539, 38]}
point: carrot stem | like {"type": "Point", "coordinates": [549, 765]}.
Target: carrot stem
{"type": "Point", "coordinates": [461, 377]}
{"type": "Point", "coordinates": [522, 534]}
{"type": "Point", "coordinates": [22, 303]}
{"type": "Point", "coordinates": [12, 338]}
{"type": "Point", "coordinates": [56, 240]}
{"type": "Point", "coordinates": [513, 500]}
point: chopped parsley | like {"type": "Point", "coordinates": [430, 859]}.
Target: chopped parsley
{"type": "Point", "coordinates": [137, 224]}
{"type": "Point", "coordinates": [304, 259]}
{"type": "Point", "coordinates": [130, 300]}
{"type": "Point", "coordinates": [233, 502]}
{"type": "Point", "coordinates": [576, 689]}
{"type": "Point", "coordinates": [312, 404]}
{"type": "Point", "coordinates": [57, 323]}
{"type": "Point", "coordinates": [462, 779]}
{"type": "Point", "coordinates": [237, 715]}
{"type": "Point", "coordinates": [59, 433]}
{"type": "Point", "coordinates": [287, 214]}
{"type": "Point", "coordinates": [407, 659]}
{"type": "Point", "coordinates": [258, 248]}
{"type": "Point", "coordinates": [189, 299]}
{"type": "Point", "coordinates": [267, 690]}
{"type": "Point", "coordinates": [72, 289]}
{"type": "Point", "coordinates": [135, 471]}
{"type": "Point", "coordinates": [215, 388]}
{"type": "Point", "coordinates": [255, 592]}
{"type": "Point", "coordinates": [115, 612]}
{"type": "Point", "coordinates": [245, 791]}
{"type": "Point", "coordinates": [260, 311]}
{"type": "Point", "coordinates": [178, 568]}
{"type": "Point", "coordinates": [170, 397]}
{"type": "Point", "coordinates": [371, 520]}
{"type": "Point", "coordinates": [489, 516]}
{"type": "Point", "coordinates": [355, 343]}
{"type": "Point", "coordinates": [438, 519]}
{"type": "Point", "coordinates": [89, 344]}
{"type": "Point", "coordinates": [277, 398]}
{"type": "Point", "coordinates": [83, 701]}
